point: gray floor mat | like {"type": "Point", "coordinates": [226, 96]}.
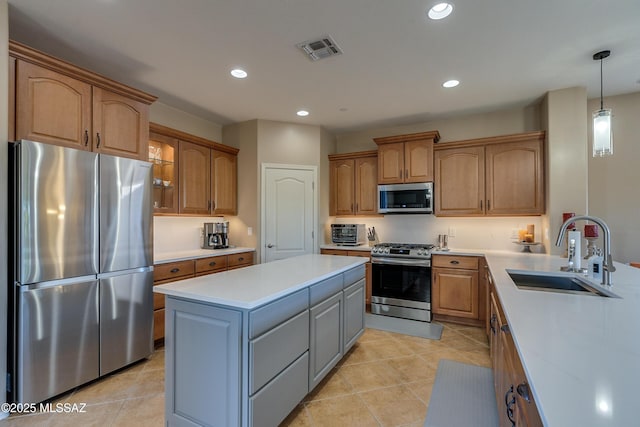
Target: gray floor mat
{"type": "Point", "coordinates": [462, 396]}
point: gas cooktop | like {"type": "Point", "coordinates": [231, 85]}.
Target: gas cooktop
{"type": "Point", "coordinates": [403, 250]}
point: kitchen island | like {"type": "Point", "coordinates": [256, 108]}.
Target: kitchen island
{"type": "Point", "coordinates": [580, 353]}
{"type": "Point", "coordinates": [244, 347]}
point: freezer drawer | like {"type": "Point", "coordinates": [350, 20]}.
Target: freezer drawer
{"type": "Point", "coordinates": [126, 319]}
{"type": "Point", "coordinates": [58, 343]}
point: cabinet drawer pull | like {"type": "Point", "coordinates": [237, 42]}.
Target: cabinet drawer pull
{"type": "Point", "coordinates": [488, 205]}
{"type": "Point", "coordinates": [241, 259]}
{"type": "Point", "coordinates": [212, 263]}
{"type": "Point", "coordinates": [98, 138]}
{"type": "Point", "coordinates": [509, 403]}
{"type": "Point", "coordinates": [523, 391]}
{"type": "Point", "coordinates": [505, 329]}
{"type": "Point", "coordinates": [491, 323]}
{"type": "Point", "coordinates": [86, 137]}
{"type": "Point", "coordinates": [480, 204]}
{"type": "Point", "coordinates": [455, 262]}
{"type": "Point", "coordinates": [174, 270]}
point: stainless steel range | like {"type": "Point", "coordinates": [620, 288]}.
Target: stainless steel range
{"type": "Point", "coordinates": [401, 285]}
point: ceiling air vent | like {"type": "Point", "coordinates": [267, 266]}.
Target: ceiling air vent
{"type": "Point", "coordinates": [321, 48]}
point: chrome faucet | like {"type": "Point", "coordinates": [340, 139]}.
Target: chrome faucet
{"type": "Point", "coordinates": [607, 264]}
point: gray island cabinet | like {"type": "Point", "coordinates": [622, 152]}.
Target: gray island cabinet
{"type": "Point", "coordinates": [244, 347]}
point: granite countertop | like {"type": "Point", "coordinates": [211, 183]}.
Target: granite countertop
{"type": "Point", "coordinates": [251, 287]}
{"type": "Point", "coordinates": [165, 257]}
{"type": "Point", "coordinates": [581, 353]}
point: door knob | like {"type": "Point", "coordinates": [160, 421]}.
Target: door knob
{"type": "Point", "coordinates": [269, 245]}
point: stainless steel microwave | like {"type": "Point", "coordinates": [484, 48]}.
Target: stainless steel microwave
{"type": "Point", "coordinates": [405, 198]}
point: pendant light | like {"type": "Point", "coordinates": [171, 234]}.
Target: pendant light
{"type": "Point", "coordinates": [602, 131]}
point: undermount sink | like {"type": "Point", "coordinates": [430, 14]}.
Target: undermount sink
{"type": "Point", "coordinates": [556, 282]}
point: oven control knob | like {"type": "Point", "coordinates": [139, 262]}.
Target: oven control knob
{"type": "Point", "coordinates": [386, 250]}
{"type": "Point", "coordinates": [374, 250]}
{"type": "Point", "coordinates": [420, 252]}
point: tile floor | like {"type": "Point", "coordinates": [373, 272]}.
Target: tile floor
{"type": "Point", "coordinates": [385, 380]}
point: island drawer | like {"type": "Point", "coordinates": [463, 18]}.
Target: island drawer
{"type": "Point", "coordinates": [173, 271]}
{"type": "Point", "coordinates": [277, 399]}
{"type": "Point", "coordinates": [353, 275]}
{"type": "Point", "coordinates": [211, 265]}
{"type": "Point", "coordinates": [325, 289]}
{"type": "Point", "coordinates": [273, 351]}
{"type": "Point", "coordinates": [455, 261]}
{"type": "Point", "coordinates": [272, 314]}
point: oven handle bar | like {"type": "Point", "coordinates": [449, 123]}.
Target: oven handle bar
{"type": "Point", "coordinates": [402, 261]}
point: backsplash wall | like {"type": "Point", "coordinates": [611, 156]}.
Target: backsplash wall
{"type": "Point", "coordinates": [470, 233]}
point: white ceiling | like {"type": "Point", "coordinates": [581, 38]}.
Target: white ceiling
{"type": "Point", "coordinates": [505, 53]}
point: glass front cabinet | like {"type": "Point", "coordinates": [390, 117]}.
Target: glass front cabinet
{"type": "Point", "coordinates": [163, 152]}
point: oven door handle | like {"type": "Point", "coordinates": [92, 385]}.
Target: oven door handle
{"type": "Point", "coordinates": [400, 261]}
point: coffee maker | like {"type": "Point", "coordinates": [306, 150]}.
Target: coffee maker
{"type": "Point", "coordinates": [216, 235]}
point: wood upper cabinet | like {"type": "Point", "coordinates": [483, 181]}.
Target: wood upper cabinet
{"type": "Point", "coordinates": [353, 183]}
{"type": "Point", "coordinates": [406, 158]}
{"type": "Point", "coordinates": [200, 174]}
{"type": "Point", "coordinates": [515, 178]}
{"type": "Point", "coordinates": [459, 181]}
{"type": "Point", "coordinates": [120, 125]}
{"type": "Point", "coordinates": [59, 103]}
{"type": "Point", "coordinates": [52, 107]}
{"type": "Point", "coordinates": [490, 176]}
{"type": "Point", "coordinates": [194, 178]}
{"type": "Point", "coordinates": [224, 175]}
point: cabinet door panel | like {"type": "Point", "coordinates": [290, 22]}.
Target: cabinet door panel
{"type": "Point", "coordinates": [224, 182]}
{"type": "Point", "coordinates": [195, 174]}
{"type": "Point", "coordinates": [51, 107]}
{"type": "Point", "coordinates": [120, 125]}
{"type": "Point", "coordinates": [342, 187]}
{"type": "Point", "coordinates": [325, 339]}
{"type": "Point", "coordinates": [459, 188]}
{"type": "Point", "coordinates": [515, 178]}
{"type": "Point", "coordinates": [366, 186]}
{"type": "Point", "coordinates": [354, 300]}
{"type": "Point", "coordinates": [391, 163]}
{"type": "Point", "coordinates": [455, 293]}
{"type": "Point", "coordinates": [418, 163]}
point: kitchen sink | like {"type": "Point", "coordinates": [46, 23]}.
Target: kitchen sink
{"type": "Point", "coordinates": [567, 283]}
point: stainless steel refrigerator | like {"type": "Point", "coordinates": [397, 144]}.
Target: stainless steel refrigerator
{"type": "Point", "coordinates": [81, 266]}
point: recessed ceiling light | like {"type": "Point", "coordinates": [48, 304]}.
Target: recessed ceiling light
{"type": "Point", "coordinates": [302, 113]}
{"type": "Point", "coordinates": [238, 73]}
{"type": "Point", "coordinates": [450, 83]}
{"type": "Point", "coordinates": [440, 11]}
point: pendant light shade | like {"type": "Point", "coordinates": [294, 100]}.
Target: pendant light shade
{"type": "Point", "coordinates": [602, 126]}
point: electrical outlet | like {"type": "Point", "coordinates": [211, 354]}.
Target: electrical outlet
{"type": "Point", "coordinates": [452, 232]}
{"type": "Point", "coordinates": [201, 231]}
{"type": "Point", "coordinates": [514, 233]}
{"type": "Point", "coordinates": [249, 231]}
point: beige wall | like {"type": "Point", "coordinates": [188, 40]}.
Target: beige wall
{"type": "Point", "coordinates": [501, 122]}
{"type": "Point", "coordinates": [168, 116]}
{"type": "Point", "coordinates": [4, 131]}
{"type": "Point", "coordinates": [566, 159]}
{"type": "Point", "coordinates": [613, 181]}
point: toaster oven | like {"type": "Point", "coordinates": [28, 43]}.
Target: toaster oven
{"type": "Point", "coordinates": [348, 234]}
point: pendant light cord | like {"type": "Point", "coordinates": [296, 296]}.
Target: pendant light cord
{"type": "Point", "coordinates": [601, 101]}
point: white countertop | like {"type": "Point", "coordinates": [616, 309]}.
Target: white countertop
{"type": "Point", "coordinates": [581, 353]}
{"type": "Point", "coordinates": [164, 257]}
{"type": "Point", "coordinates": [251, 287]}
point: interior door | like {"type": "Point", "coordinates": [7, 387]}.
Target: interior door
{"type": "Point", "coordinates": [288, 211]}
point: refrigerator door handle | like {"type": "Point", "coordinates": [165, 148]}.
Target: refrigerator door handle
{"type": "Point", "coordinates": [123, 272]}
{"type": "Point", "coordinates": [53, 283]}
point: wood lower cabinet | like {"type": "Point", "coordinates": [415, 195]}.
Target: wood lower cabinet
{"type": "Point", "coordinates": [498, 176]}
{"type": "Point", "coordinates": [58, 103]}
{"type": "Point", "coordinates": [180, 270]}
{"type": "Point", "coordinates": [456, 291]}
{"type": "Point", "coordinates": [516, 404]}
{"type": "Point", "coordinates": [353, 183]}
{"type": "Point", "coordinates": [406, 158]}
{"type": "Point", "coordinates": [368, 270]}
